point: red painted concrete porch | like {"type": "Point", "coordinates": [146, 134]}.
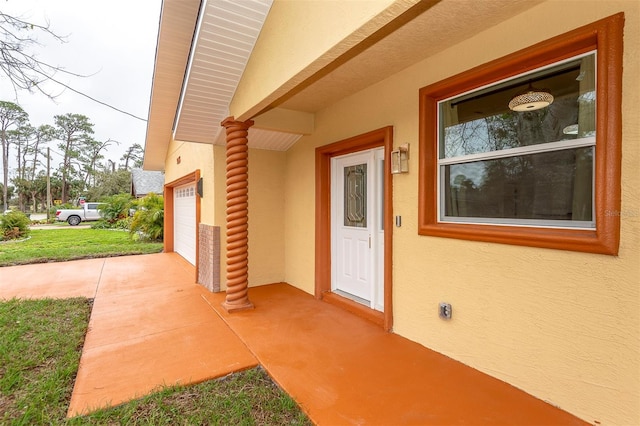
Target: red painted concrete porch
{"type": "Point", "coordinates": [344, 370]}
{"type": "Point", "coordinates": [152, 326]}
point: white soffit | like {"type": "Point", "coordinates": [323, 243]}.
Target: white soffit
{"type": "Point", "coordinates": [270, 140]}
{"type": "Point", "coordinates": [227, 32]}
{"type": "Point", "coordinates": [177, 23]}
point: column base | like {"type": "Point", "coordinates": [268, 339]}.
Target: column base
{"type": "Point", "coordinates": [231, 308]}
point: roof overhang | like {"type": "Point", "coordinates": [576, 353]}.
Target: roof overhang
{"type": "Point", "coordinates": [178, 20]}
{"type": "Point", "coordinates": [202, 53]}
{"type": "Point", "coordinates": [225, 37]}
{"type": "Point", "coordinates": [203, 49]}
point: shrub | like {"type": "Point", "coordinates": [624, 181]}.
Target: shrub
{"type": "Point", "coordinates": [148, 220]}
{"type": "Point", "coordinates": [116, 207]}
{"type": "Point", "coordinates": [124, 223]}
{"type": "Point", "coordinates": [101, 224]}
{"type": "Point", "coordinates": [14, 225]}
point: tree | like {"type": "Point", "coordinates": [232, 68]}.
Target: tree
{"type": "Point", "coordinates": [29, 142]}
{"type": "Point", "coordinates": [109, 183]}
{"type": "Point", "coordinates": [38, 190]}
{"type": "Point", "coordinates": [5, 194]}
{"type": "Point", "coordinates": [10, 115]}
{"type": "Point", "coordinates": [56, 187]}
{"type": "Point", "coordinates": [23, 189]}
{"type": "Point", "coordinates": [132, 157]}
{"type": "Point", "coordinates": [23, 69]}
{"type": "Point", "coordinates": [41, 136]}
{"type": "Point", "coordinates": [21, 138]}
{"type": "Point", "coordinates": [90, 157]}
{"type": "Point", "coordinates": [73, 131]}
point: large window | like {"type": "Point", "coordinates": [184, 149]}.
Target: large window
{"type": "Point", "coordinates": [528, 166]}
{"type": "Point", "coordinates": [526, 150]}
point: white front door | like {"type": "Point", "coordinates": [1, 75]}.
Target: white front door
{"type": "Point", "coordinates": [356, 227]}
{"type": "Point", "coordinates": [184, 222]}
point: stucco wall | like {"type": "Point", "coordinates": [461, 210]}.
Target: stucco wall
{"type": "Point", "coordinates": [318, 32]}
{"type": "Point", "coordinates": [563, 326]}
{"type": "Point", "coordinates": [193, 156]}
{"type": "Point", "coordinates": [266, 218]}
{"type": "Point", "coordinates": [266, 180]}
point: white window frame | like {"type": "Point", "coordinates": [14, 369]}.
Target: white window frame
{"type": "Point", "coordinates": [585, 142]}
{"type": "Point", "coordinates": [605, 37]}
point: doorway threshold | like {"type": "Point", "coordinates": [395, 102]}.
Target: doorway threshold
{"type": "Point", "coordinates": [353, 306]}
{"type": "Point", "coordinates": [353, 297]}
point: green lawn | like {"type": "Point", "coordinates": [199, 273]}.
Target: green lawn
{"type": "Point", "coordinates": [56, 245]}
{"type": "Point", "coordinates": [246, 398]}
{"type": "Point", "coordinates": [40, 346]}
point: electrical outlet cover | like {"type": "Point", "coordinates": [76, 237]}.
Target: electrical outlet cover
{"type": "Point", "coordinates": [445, 310]}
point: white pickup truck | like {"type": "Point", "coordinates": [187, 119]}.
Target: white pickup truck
{"type": "Point", "coordinates": [88, 212]}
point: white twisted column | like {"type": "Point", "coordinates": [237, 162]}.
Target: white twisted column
{"type": "Point", "coordinates": [237, 298]}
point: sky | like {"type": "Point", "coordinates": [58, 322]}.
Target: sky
{"type": "Point", "coordinates": [111, 41]}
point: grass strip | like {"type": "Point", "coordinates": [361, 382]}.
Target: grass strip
{"type": "Point", "coordinates": [58, 245]}
{"type": "Point", "coordinates": [40, 346]}
{"type": "Point", "coordinates": [245, 398]}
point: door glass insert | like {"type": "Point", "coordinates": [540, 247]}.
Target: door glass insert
{"type": "Point", "coordinates": [355, 196]}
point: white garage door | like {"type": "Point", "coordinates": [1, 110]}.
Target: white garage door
{"type": "Point", "coordinates": [184, 222]}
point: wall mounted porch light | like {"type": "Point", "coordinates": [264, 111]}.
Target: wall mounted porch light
{"type": "Point", "coordinates": [531, 100]}
{"type": "Point", "coordinates": [199, 188]}
{"type": "Point", "coordinates": [400, 159]}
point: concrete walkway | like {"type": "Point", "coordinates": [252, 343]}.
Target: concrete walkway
{"type": "Point", "coordinates": [152, 326]}
{"type": "Point", "coordinates": [52, 280]}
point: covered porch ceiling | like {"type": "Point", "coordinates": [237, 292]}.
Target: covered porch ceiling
{"type": "Point", "coordinates": [203, 48]}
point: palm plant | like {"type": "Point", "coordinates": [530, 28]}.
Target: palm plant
{"type": "Point", "coordinates": [148, 221]}
{"type": "Point", "coordinates": [116, 207]}
{"type": "Point", "coordinates": [13, 225]}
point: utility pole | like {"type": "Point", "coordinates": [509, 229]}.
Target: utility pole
{"type": "Point", "coordinates": [48, 182]}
